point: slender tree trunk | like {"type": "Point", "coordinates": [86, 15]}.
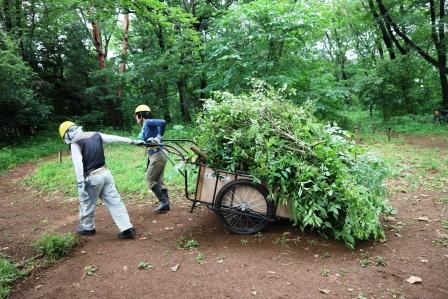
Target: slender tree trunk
{"type": "Point", "coordinates": [439, 41]}
{"type": "Point", "coordinates": [113, 109]}
{"type": "Point", "coordinates": [379, 46]}
{"type": "Point", "coordinates": [125, 43]}
{"type": "Point", "coordinates": [7, 19]}
{"type": "Point", "coordinates": [386, 38]}
{"type": "Point", "coordinates": [122, 66]}
{"type": "Point", "coordinates": [182, 89]}
{"type": "Point", "coordinates": [163, 85]}
{"type": "Point", "coordinates": [437, 37]}
{"type": "Point", "coordinates": [97, 42]}
{"type": "Point", "coordinates": [124, 52]}
{"type": "Point", "coordinates": [19, 28]}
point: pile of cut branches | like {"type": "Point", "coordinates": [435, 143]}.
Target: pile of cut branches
{"type": "Point", "coordinates": [330, 183]}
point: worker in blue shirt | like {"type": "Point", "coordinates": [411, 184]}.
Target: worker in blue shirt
{"type": "Point", "coordinates": [152, 132]}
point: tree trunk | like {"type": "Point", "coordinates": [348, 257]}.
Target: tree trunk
{"type": "Point", "coordinates": [182, 89]}
{"type": "Point", "coordinates": [125, 43]}
{"type": "Point", "coordinates": [437, 37]}
{"type": "Point", "coordinates": [97, 42]}
{"type": "Point", "coordinates": [7, 15]}
{"type": "Point", "coordinates": [163, 85]}
{"type": "Point", "coordinates": [439, 41]}
{"type": "Point", "coordinates": [384, 33]}
{"type": "Point", "coordinates": [114, 110]}
{"type": "Point", "coordinates": [124, 53]}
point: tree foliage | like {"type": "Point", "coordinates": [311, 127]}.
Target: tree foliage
{"type": "Point", "coordinates": [21, 107]}
{"type": "Point", "coordinates": [340, 53]}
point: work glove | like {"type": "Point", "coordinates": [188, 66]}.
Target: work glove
{"type": "Point", "coordinates": [82, 188]}
{"type": "Point", "coordinates": [137, 142]}
{"type": "Point", "coordinates": [154, 140]}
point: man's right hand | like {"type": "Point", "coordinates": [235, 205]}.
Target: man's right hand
{"type": "Point", "coordinates": [153, 140]}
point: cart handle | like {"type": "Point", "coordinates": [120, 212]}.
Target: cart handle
{"type": "Point", "coordinates": [199, 152]}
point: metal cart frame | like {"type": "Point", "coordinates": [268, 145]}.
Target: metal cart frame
{"type": "Point", "coordinates": [241, 204]}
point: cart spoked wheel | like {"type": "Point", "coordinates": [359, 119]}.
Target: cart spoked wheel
{"type": "Point", "coordinates": [243, 207]}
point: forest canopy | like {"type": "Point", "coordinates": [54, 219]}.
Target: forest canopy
{"type": "Point", "coordinates": [94, 61]}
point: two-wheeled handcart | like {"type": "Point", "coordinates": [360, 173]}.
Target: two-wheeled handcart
{"type": "Point", "coordinates": [241, 204]}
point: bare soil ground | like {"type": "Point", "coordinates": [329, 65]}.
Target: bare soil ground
{"type": "Point", "coordinates": [307, 266]}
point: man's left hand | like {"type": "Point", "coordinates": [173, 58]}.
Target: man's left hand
{"type": "Point", "coordinates": [137, 142]}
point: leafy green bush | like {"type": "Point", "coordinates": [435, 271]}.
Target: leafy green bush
{"type": "Point", "coordinates": [8, 273]}
{"type": "Point", "coordinates": [55, 246]}
{"type": "Point", "coordinates": [317, 170]}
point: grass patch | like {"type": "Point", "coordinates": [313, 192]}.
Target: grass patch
{"type": "Point", "coordinates": [411, 124]}
{"type": "Point", "coordinates": [8, 273]}
{"type": "Point", "coordinates": [55, 246]}
{"type": "Point", "coordinates": [414, 164]}
{"type": "Point", "coordinates": [34, 148]}
{"type": "Point", "coordinates": [187, 242]}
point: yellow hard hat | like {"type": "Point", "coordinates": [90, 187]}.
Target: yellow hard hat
{"type": "Point", "coordinates": [65, 126]}
{"type": "Point", "coordinates": [142, 108]}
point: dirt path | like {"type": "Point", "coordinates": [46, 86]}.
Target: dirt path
{"type": "Point", "coordinates": [233, 266]}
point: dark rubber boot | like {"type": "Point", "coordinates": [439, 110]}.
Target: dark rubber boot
{"type": "Point", "coordinates": [162, 195]}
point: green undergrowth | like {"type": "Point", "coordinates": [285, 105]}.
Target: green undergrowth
{"type": "Point", "coordinates": [28, 150]}
{"type": "Point", "coordinates": [417, 166]}
{"type": "Point", "coordinates": [8, 274]}
{"type": "Point", "coordinates": [406, 124]}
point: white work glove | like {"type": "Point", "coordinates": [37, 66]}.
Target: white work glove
{"type": "Point", "coordinates": [137, 142]}
{"type": "Point", "coordinates": [81, 186]}
{"type": "Point", "coordinates": [154, 140]}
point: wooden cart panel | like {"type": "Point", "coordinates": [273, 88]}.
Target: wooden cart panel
{"type": "Point", "coordinates": [209, 186]}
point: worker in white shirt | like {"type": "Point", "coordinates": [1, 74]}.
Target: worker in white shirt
{"type": "Point", "coordinates": [94, 179]}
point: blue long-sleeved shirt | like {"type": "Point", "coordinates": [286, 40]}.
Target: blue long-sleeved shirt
{"type": "Point", "coordinates": [152, 128]}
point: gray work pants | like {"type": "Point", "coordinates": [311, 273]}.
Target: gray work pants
{"type": "Point", "coordinates": [102, 185]}
{"type": "Point", "coordinates": [156, 169]}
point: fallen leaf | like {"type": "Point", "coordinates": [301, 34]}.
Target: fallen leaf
{"type": "Point", "coordinates": [325, 291]}
{"type": "Point", "coordinates": [351, 290]}
{"type": "Point", "coordinates": [142, 238]}
{"type": "Point", "coordinates": [423, 261]}
{"type": "Point", "coordinates": [254, 293]}
{"type": "Point", "coordinates": [271, 272]}
{"type": "Point", "coordinates": [398, 235]}
{"type": "Point", "coordinates": [175, 268]}
{"type": "Point", "coordinates": [125, 268]}
{"type": "Point", "coordinates": [414, 279]}
{"type": "Point", "coordinates": [38, 287]}
{"type": "Point", "coordinates": [383, 240]}
{"type": "Point", "coordinates": [423, 218]}
{"type": "Point", "coordinates": [169, 228]}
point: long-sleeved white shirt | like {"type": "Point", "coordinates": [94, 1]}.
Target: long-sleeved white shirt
{"type": "Point", "coordinates": [77, 156]}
